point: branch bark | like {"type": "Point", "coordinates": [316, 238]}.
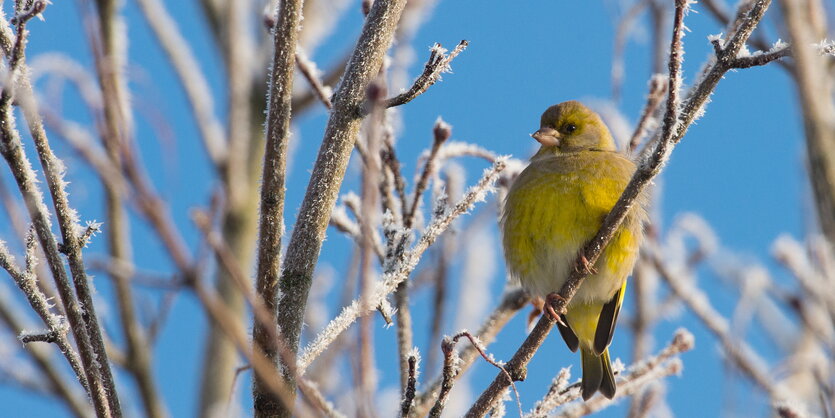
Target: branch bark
{"type": "Point", "coordinates": [271, 221]}
{"type": "Point", "coordinates": [328, 172]}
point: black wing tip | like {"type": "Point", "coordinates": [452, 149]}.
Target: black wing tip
{"type": "Point", "coordinates": [606, 324]}
{"type": "Point", "coordinates": [568, 335]}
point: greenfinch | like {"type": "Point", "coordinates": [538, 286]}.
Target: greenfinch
{"type": "Point", "coordinates": [557, 204]}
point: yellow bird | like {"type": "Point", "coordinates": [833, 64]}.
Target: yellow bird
{"type": "Point", "coordinates": [553, 208]}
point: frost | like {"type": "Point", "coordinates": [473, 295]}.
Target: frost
{"type": "Point", "coordinates": [778, 46]}
{"type": "Point", "coordinates": [398, 266]}
{"type": "Point", "coordinates": [825, 47]}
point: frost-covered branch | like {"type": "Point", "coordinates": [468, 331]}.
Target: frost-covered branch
{"type": "Point", "coordinates": [271, 222]}
{"type": "Point", "coordinates": [648, 122]}
{"type": "Point", "coordinates": [311, 73]}
{"type": "Point", "coordinates": [80, 312]}
{"type": "Point", "coordinates": [632, 380]}
{"type": "Point", "coordinates": [329, 170]}
{"type": "Point", "coordinates": [664, 364]}
{"type": "Point", "coordinates": [437, 64]}
{"type": "Point", "coordinates": [27, 282]}
{"type": "Point", "coordinates": [452, 369]}
{"type": "Point", "coordinates": [401, 267]}
{"type": "Point", "coordinates": [409, 393]}
{"type": "Point", "coordinates": [511, 302]}
{"type": "Point", "coordinates": [738, 352]}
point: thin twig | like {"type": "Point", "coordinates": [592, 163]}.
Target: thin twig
{"type": "Point", "coordinates": [400, 269]}
{"type": "Point", "coordinates": [665, 363]}
{"type": "Point", "coordinates": [451, 369]}
{"type": "Point", "coordinates": [27, 282]}
{"type": "Point", "coordinates": [409, 394]}
{"type": "Point", "coordinates": [657, 91]}
{"type": "Point", "coordinates": [60, 385]}
{"type": "Point", "coordinates": [511, 302]}
{"type": "Point", "coordinates": [93, 355]}
{"type": "Point", "coordinates": [311, 74]}
{"type": "Point", "coordinates": [437, 64]}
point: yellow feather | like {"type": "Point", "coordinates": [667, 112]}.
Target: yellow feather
{"type": "Point", "coordinates": [556, 205]}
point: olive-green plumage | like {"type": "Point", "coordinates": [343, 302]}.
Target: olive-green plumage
{"type": "Point", "coordinates": [553, 208]}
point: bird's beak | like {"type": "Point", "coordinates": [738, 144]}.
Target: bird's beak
{"type": "Point", "coordinates": [548, 137]}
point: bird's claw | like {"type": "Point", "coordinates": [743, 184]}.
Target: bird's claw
{"type": "Point", "coordinates": [585, 266]}
{"type": "Point", "coordinates": [549, 307]}
{"type": "Point", "coordinates": [538, 306]}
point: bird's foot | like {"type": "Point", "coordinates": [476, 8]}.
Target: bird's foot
{"type": "Point", "coordinates": [549, 306]}
{"type": "Point", "coordinates": [538, 307]}
{"type": "Point", "coordinates": [585, 266]}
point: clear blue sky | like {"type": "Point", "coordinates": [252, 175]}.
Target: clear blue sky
{"type": "Point", "coordinates": [740, 167]}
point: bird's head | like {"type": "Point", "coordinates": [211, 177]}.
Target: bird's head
{"type": "Point", "coordinates": [571, 127]}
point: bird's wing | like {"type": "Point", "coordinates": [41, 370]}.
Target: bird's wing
{"type": "Point", "coordinates": [605, 177]}
{"type": "Point", "coordinates": [568, 335]}
{"type": "Point", "coordinates": [606, 322]}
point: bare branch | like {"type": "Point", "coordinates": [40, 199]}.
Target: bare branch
{"type": "Point", "coordinates": [555, 396]}
{"type": "Point", "coordinates": [437, 64]}
{"type": "Point", "coordinates": [328, 172]}
{"type": "Point", "coordinates": [401, 267]}
{"type": "Point", "coordinates": [451, 369]}
{"type": "Point", "coordinates": [511, 302]}
{"type": "Point", "coordinates": [409, 394]}
{"type": "Point", "coordinates": [271, 223]}
{"type": "Point", "coordinates": [311, 74]}
{"type": "Point", "coordinates": [26, 281]}
{"type": "Point", "coordinates": [647, 122]}
{"type": "Point", "coordinates": [91, 346]}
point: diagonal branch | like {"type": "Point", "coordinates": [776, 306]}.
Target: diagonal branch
{"type": "Point", "coordinates": [437, 64]}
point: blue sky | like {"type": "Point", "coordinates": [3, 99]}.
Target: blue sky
{"type": "Point", "coordinates": [741, 167]}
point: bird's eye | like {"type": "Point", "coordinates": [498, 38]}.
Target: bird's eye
{"type": "Point", "coordinates": [569, 128]}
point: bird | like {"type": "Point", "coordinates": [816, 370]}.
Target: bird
{"type": "Point", "coordinates": [556, 205]}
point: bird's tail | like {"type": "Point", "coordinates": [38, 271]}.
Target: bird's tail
{"type": "Point", "coordinates": [597, 374]}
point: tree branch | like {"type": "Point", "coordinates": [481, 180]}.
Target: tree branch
{"type": "Point", "coordinates": [437, 64]}
{"type": "Point", "coordinates": [328, 172]}
{"type": "Point", "coordinates": [271, 223]}
{"type": "Point", "coordinates": [81, 315]}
